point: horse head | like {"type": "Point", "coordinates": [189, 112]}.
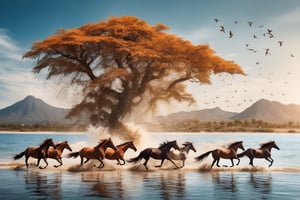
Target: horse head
{"type": "Point", "coordinates": [275, 145]}
{"type": "Point", "coordinates": [67, 146]}
{"type": "Point", "coordinates": [132, 146]}
{"type": "Point", "coordinates": [189, 146]}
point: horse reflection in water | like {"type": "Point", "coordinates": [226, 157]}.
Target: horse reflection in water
{"type": "Point", "coordinates": [227, 153]}
{"type": "Point", "coordinates": [97, 152]}
{"type": "Point", "coordinates": [57, 152]}
{"type": "Point", "coordinates": [118, 154]}
{"type": "Point", "coordinates": [263, 152]}
{"type": "Point", "coordinates": [183, 152]}
{"type": "Point", "coordinates": [160, 153]}
{"type": "Point", "coordinates": [36, 152]}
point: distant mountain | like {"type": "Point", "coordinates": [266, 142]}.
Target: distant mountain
{"type": "Point", "coordinates": [265, 110]}
{"type": "Point", "coordinates": [270, 111]}
{"type": "Point", "coordinates": [214, 114]}
{"type": "Point", "coordinates": [33, 110]}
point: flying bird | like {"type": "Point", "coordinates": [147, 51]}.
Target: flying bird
{"type": "Point", "coordinates": [216, 20]}
{"type": "Point", "coordinates": [254, 36]}
{"type": "Point", "coordinates": [235, 22]}
{"type": "Point", "coordinates": [250, 23]}
{"type": "Point", "coordinates": [222, 29]}
{"type": "Point", "coordinates": [267, 52]}
{"type": "Point", "coordinates": [280, 43]}
{"type": "Point", "coordinates": [292, 55]}
{"type": "Point", "coordinates": [230, 34]}
{"type": "Point", "coordinates": [260, 26]}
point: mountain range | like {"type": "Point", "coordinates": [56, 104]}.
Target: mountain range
{"type": "Point", "coordinates": [33, 110]}
{"type": "Point", "coordinates": [265, 110]}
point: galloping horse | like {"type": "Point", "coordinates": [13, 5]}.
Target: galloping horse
{"type": "Point", "coordinates": [36, 152]}
{"type": "Point", "coordinates": [228, 153]}
{"type": "Point", "coordinates": [56, 153]}
{"type": "Point", "coordinates": [160, 153]}
{"type": "Point", "coordinates": [118, 154]}
{"type": "Point", "coordinates": [263, 152]}
{"type": "Point", "coordinates": [183, 152]}
{"type": "Point", "coordinates": [97, 152]}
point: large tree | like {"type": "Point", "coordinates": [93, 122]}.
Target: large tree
{"type": "Point", "coordinates": [122, 62]}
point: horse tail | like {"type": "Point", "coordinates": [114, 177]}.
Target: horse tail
{"type": "Point", "coordinates": [136, 159]}
{"type": "Point", "coordinates": [201, 157]}
{"type": "Point", "coordinates": [20, 155]}
{"type": "Point", "coordinates": [239, 155]}
{"type": "Point", "coordinates": [74, 154]}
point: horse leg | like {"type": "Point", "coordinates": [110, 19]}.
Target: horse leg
{"type": "Point", "coordinates": [218, 160]}
{"type": "Point", "coordinates": [238, 161]}
{"type": "Point", "coordinates": [45, 160]}
{"type": "Point", "coordinates": [87, 160]}
{"type": "Point", "coordinates": [232, 164]}
{"type": "Point", "coordinates": [162, 161]}
{"type": "Point", "coordinates": [212, 164]}
{"type": "Point", "coordinates": [183, 161]}
{"type": "Point", "coordinates": [38, 162]}
{"type": "Point", "coordinates": [174, 163]}
{"type": "Point", "coordinates": [251, 162]}
{"type": "Point", "coordinates": [60, 162]}
{"type": "Point", "coordinates": [270, 160]}
{"type": "Point", "coordinates": [26, 161]}
{"type": "Point", "coordinates": [145, 163]}
{"type": "Point", "coordinates": [101, 165]}
{"type": "Point", "coordinates": [123, 161]}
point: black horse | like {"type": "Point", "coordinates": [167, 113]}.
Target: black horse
{"type": "Point", "coordinates": [160, 153]}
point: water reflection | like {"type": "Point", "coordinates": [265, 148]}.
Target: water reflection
{"type": "Point", "coordinates": [261, 182]}
{"type": "Point", "coordinates": [166, 185]}
{"type": "Point", "coordinates": [224, 181]}
{"type": "Point", "coordinates": [43, 185]}
{"type": "Point", "coordinates": [108, 185]}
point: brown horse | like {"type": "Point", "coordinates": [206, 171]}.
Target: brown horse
{"type": "Point", "coordinates": [263, 152]}
{"type": "Point", "coordinates": [228, 153]}
{"type": "Point", "coordinates": [36, 152]}
{"type": "Point", "coordinates": [56, 153]}
{"type": "Point", "coordinates": [183, 152]}
{"type": "Point", "coordinates": [160, 153]}
{"type": "Point", "coordinates": [97, 152]}
{"type": "Point", "coordinates": [118, 154]}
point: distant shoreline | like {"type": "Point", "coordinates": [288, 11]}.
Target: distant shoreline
{"type": "Point", "coordinates": [275, 131]}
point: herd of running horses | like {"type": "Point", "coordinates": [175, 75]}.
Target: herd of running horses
{"type": "Point", "coordinates": [107, 150]}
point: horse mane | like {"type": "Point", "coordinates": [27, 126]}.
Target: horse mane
{"type": "Point", "coordinates": [45, 142]}
{"type": "Point", "coordinates": [60, 143]}
{"type": "Point", "coordinates": [165, 143]}
{"type": "Point", "coordinates": [187, 143]}
{"type": "Point", "coordinates": [101, 143]}
{"type": "Point", "coordinates": [234, 143]}
{"type": "Point", "coordinates": [263, 145]}
{"type": "Point", "coordinates": [123, 144]}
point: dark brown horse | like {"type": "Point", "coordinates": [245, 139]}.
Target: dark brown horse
{"type": "Point", "coordinates": [183, 152]}
{"type": "Point", "coordinates": [36, 152]}
{"type": "Point", "coordinates": [118, 154]}
{"type": "Point", "coordinates": [97, 152]}
{"type": "Point", "coordinates": [56, 153]}
{"type": "Point", "coordinates": [263, 152]}
{"type": "Point", "coordinates": [226, 153]}
{"type": "Point", "coordinates": [160, 153]}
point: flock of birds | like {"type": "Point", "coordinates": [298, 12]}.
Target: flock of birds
{"type": "Point", "coordinates": [258, 34]}
{"type": "Point", "coordinates": [267, 34]}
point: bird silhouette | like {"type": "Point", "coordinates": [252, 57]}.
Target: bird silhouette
{"type": "Point", "coordinates": [230, 34]}
{"type": "Point", "coordinates": [292, 55]}
{"type": "Point", "coordinates": [222, 29]}
{"type": "Point", "coordinates": [250, 23]}
{"type": "Point", "coordinates": [254, 36]}
{"type": "Point", "coordinates": [267, 52]}
{"type": "Point", "coordinates": [280, 43]}
{"type": "Point", "coordinates": [216, 20]}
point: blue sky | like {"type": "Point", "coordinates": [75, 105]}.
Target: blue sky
{"type": "Point", "coordinates": [275, 77]}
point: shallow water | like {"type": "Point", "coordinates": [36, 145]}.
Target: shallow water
{"type": "Point", "coordinates": [194, 181]}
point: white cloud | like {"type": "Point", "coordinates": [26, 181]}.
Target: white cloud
{"type": "Point", "coordinates": [8, 47]}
